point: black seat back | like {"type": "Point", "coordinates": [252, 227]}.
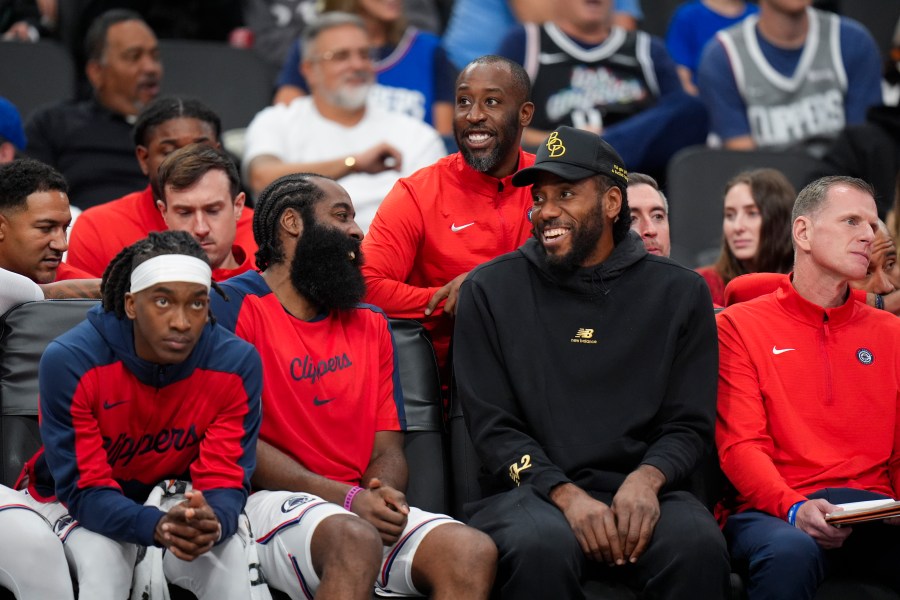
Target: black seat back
{"type": "Point", "coordinates": [34, 74]}
{"type": "Point", "coordinates": [425, 453]}
{"type": "Point", "coordinates": [25, 331]}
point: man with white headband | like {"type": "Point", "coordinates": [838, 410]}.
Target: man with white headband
{"type": "Point", "coordinates": [147, 389]}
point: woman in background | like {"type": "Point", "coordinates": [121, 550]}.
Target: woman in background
{"type": "Point", "coordinates": [756, 229]}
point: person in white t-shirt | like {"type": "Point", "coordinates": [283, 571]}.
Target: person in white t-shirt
{"type": "Point", "coordinates": [333, 131]}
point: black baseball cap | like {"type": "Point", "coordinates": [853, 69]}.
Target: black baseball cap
{"type": "Point", "coordinates": [574, 154]}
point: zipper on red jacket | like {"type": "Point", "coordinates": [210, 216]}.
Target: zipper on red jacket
{"type": "Point", "coordinates": [498, 207]}
{"type": "Point", "coordinates": [823, 346]}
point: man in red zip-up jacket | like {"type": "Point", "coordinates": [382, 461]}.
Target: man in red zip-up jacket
{"type": "Point", "coordinates": [808, 406]}
{"type": "Point", "coordinates": [444, 220]}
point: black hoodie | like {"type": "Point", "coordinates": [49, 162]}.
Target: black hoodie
{"type": "Point", "coordinates": [584, 377]}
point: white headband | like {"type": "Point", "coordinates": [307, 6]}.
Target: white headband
{"type": "Point", "coordinates": [170, 267]}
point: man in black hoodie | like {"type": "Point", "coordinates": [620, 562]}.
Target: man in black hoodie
{"type": "Point", "coordinates": [587, 373]}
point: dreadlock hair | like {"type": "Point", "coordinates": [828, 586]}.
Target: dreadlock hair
{"type": "Point", "coordinates": [117, 276]}
{"type": "Point", "coordinates": [295, 191]}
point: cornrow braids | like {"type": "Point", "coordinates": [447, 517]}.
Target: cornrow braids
{"type": "Point", "coordinates": [295, 191]}
{"type": "Point", "coordinates": [117, 276]}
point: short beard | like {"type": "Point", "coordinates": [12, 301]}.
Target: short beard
{"type": "Point", "coordinates": [507, 139]}
{"type": "Point", "coordinates": [322, 271]}
{"type": "Point", "coordinates": [350, 97]}
{"type": "Point", "coordinates": [584, 241]}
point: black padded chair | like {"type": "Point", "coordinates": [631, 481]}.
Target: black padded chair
{"type": "Point", "coordinates": [25, 331]}
{"type": "Point", "coordinates": [34, 74]}
{"type": "Point", "coordinates": [696, 179]}
{"type": "Point", "coordinates": [235, 83]}
{"type": "Point", "coordinates": [425, 440]}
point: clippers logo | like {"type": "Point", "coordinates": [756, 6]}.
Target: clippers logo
{"type": "Point", "coordinates": [864, 355]}
{"type": "Point", "coordinates": [584, 336]}
{"type": "Point", "coordinates": [310, 369]}
{"type": "Point", "coordinates": [555, 145]}
{"type": "Point", "coordinates": [293, 502]}
{"type": "Point", "coordinates": [62, 524]}
{"type": "Point", "coordinates": [517, 467]}
{"type": "Point", "coordinates": [125, 447]}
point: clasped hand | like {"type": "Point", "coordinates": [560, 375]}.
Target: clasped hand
{"type": "Point", "coordinates": [614, 534]}
{"type": "Point", "coordinates": [385, 508]}
{"type": "Point", "coordinates": [190, 528]}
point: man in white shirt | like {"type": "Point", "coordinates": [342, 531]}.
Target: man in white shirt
{"type": "Point", "coordinates": [333, 131]}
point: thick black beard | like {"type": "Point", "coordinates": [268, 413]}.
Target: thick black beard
{"type": "Point", "coordinates": [507, 140]}
{"type": "Point", "coordinates": [322, 270]}
{"type": "Point", "coordinates": [584, 241]}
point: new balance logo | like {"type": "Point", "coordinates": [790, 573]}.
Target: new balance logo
{"type": "Point", "coordinates": [454, 228]}
{"type": "Point", "coordinates": [777, 351]}
{"type": "Point", "coordinates": [584, 336]}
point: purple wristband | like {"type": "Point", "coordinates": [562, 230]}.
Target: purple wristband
{"type": "Point", "coordinates": [348, 499]}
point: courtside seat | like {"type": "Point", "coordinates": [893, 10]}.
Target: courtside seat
{"type": "Point", "coordinates": [25, 331]}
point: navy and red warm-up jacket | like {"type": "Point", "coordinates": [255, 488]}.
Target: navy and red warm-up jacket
{"type": "Point", "coordinates": [113, 425]}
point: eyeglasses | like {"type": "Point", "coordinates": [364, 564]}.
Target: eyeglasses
{"type": "Point", "coordinates": [345, 54]}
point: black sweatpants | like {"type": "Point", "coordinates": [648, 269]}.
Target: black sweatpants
{"type": "Point", "coordinates": [540, 556]}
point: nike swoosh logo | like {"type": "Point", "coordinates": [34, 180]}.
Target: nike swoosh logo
{"type": "Point", "coordinates": [107, 404]}
{"type": "Point", "coordinates": [777, 351]}
{"type": "Point", "coordinates": [454, 228]}
{"type": "Point", "coordinates": [318, 402]}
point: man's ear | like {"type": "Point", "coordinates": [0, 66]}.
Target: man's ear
{"type": "Point", "coordinates": [95, 72]}
{"type": "Point", "coordinates": [613, 200]}
{"type": "Point", "coordinates": [129, 306]}
{"type": "Point", "coordinates": [526, 112]}
{"type": "Point", "coordinates": [802, 232]}
{"type": "Point", "coordinates": [239, 201]}
{"type": "Point", "coordinates": [4, 226]}
{"type": "Point", "coordinates": [291, 222]}
{"type": "Point", "coordinates": [143, 154]}
{"type": "Point", "coordinates": [162, 208]}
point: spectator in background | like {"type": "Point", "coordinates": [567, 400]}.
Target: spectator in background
{"type": "Point", "coordinates": [871, 150]}
{"type": "Point", "coordinates": [693, 25]}
{"type": "Point", "coordinates": [27, 20]}
{"type": "Point", "coordinates": [413, 74]}
{"type": "Point", "coordinates": [165, 125]}
{"type": "Point", "coordinates": [756, 232]}
{"type": "Point", "coordinates": [883, 275]}
{"type": "Point", "coordinates": [590, 74]}
{"type": "Point", "coordinates": [474, 24]}
{"type": "Point", "coordinates": [12, 136]}
{"type": "Point", "coordinates": [759, 92]}
{"type": "Point", "coordinates": [334, 131]}
{"type": "Point", "coordinates": [649, 213]}
{"type": "Point", "coordinates": [89, 141]}
{"type": "Point", "coordinates": [277, 24]}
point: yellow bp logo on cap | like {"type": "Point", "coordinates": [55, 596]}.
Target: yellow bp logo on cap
{"type": "Point", "coordinates": [555, 145]}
